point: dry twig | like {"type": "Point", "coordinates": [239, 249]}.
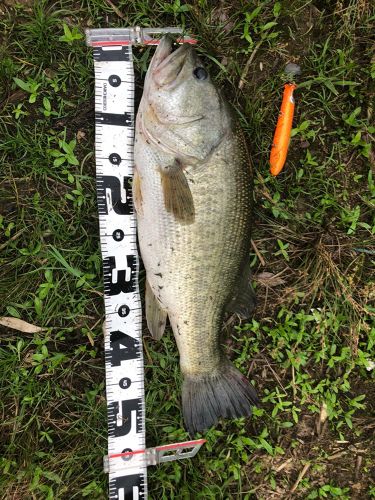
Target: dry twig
{"type": "Point", "coordinates": [300, 477]}
{"type": "Point", "coordinates": [247, 65]}
{"type": "Point", "coordinates": [258, 254]}
{"type": "Point", "coordinates": [116, 10]}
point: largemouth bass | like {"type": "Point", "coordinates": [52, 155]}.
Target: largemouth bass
{"type": "Point", "coordinates": [192, 191]}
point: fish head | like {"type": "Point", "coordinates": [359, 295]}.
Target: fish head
{"type": "Point", "coordinates": [182, 112]}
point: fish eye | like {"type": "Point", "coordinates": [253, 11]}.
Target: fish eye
{"type": "Point", "coordinates": [200, 73]}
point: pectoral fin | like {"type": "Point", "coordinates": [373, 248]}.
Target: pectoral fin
{"type": "Point", "coordinates": [244, 300]}
{"type": "Point", "coordinates": [178, 199]}
{"type": "Point", "coordinates": [156, 316]}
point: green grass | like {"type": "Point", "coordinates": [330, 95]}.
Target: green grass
{"type": "Point", "coordinates": [311, 343]}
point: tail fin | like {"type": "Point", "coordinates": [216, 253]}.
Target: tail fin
{"type": "Point", "coordinates": [226, 394]}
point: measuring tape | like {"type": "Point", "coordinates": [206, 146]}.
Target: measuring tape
{"type": "Point", "coordinates": [128, 457]}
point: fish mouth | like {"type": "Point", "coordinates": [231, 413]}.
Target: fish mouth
{"type": "Point", "coordinates": [167, 69]}
{"type": "Point", "coordinates": [167, 64]}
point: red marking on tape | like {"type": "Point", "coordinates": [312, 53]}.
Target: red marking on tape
{"type": "Point", "coordinates": [186, 444]}
{"type": "Point", "coordinates": [165, 447]}
{"type": "Point", "coordinates": [120, 43]}
{"type": "Point", "coordinates": [111, 44]}
{"type": "Point", "coordinates": [127, 454]}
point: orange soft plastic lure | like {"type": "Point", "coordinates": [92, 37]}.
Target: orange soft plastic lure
{"type": "Point", "coordinates": [281, 138]}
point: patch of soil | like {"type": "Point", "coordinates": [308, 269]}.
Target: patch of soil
{"type": "Point", "coordinates": [314, 455]}
{"type": "Point", "coordinates": [312, 461]}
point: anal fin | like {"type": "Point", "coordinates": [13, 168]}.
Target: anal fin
{"type": "Point", "coordinates": [156, 316]}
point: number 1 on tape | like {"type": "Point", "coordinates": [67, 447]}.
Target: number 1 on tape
{"type": "Point", "coordinates": [127, 458]}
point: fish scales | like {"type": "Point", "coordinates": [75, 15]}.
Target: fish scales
{"type": "Point", "coordinates": [193, 268]}
{"type": "Point", "coordinates": [194, 262]}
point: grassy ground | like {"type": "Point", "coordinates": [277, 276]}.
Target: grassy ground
{"type": "Point", "coordinates": [310, 346]}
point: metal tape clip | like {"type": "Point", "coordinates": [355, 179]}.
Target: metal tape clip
{"type": "Point", "coordinates": [171, 452]}
{"type": "Point", "coordinates": [159, 454]}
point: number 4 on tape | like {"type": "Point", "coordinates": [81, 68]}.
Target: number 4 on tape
{"type": "Point", "coordinates": [128, 457]}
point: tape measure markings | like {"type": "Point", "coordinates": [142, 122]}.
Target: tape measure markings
{"type": "Point", "coordinates": [114, 119]}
